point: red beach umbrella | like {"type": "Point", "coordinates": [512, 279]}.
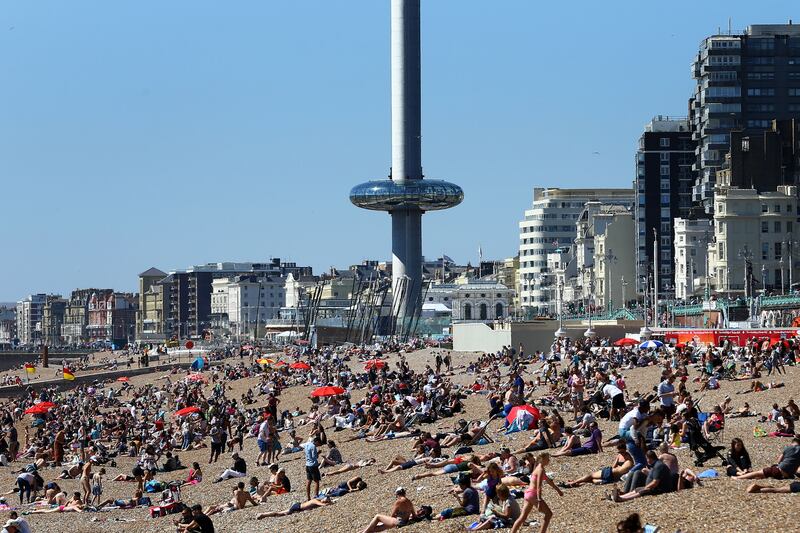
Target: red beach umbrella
{"type": "Point", "coordinates": [625, 342]}
{"type": "Point", "coordinates": [374, 363]}
{"type": "Point", "coordinates": [187, 411]}
{"type": "Point", "coordinates": [300, 366]}
{"type": "Point", "coordinates": [531, 409]}
{"type": "Point", "coordinates": [40, 408]}
{"type": "Point", "coordinates": [123, 378]}
{"type": "Point", "coordinates": [327, 391]}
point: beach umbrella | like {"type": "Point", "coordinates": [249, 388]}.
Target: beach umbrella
{"type": "Point", "coordinates": [187, 411]}
{"type": "Point", "coordinates": [123, 378]}
{"type": "Point", "coordinates": [40, 408]}
{"type": "Point", "coordinates": [327, 391]}
{"type": "Point", "coordinates": [531, 409]}
{"type": "Point", "coordinates": [300, 366]}
{"type": "Point", "coordinates": [374, 363]}
{"type": "Point", "coordinates": [647, 345]}
{"type": "Point", "coordinates": [265, 361]}
{"type": "Point", "coordinates": [197, 377]}
{"type": "Point", "coordinates": [280, 363]}
{"type": "Point", "coordinates": [626, 342]}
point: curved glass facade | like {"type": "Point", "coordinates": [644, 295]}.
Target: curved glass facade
{"type": "Point", "coordinates": [388, 195]}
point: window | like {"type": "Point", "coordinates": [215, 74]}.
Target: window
{"type": "Point", "coordinates": [761, 108]}
{"type": "Point", "coordinates": [498, 311]}
{"type": "Point", "coordinates": [499, 295]}
{"type": "Point", "coordinates": [764, 60]}
{"type": "Point", "coordinates": [663, 142]}
{"type": "Point", "coordinates": [789, 226]}
{"type": "Point", "coordinates": [664, 157]}
{"type": "Point", "coordinates": [794, 91]}
{"type": "Point", "coordinates": [722, 250]}
{"type": "Point", "coordinates": [764, 251]}
{"type": "Point", "coordinates": [666, 214]}
{"type": "Point", "coordinates": [758, 123]}
{"type": "Point", "coordinates": [665, 185]}
{"type": "Point", "coordinates": [760, 75]}
{"type": "Point", "coordinates": [761, 91]}
{"type": "Point", "coordinates": [777, 226]}
{"type": "Point", "coordinates": [764, 227]}
{"type": "Point", "coordinates": [764, 208]}
{"type": "Point", "coordinates": [483, 312]}
{"type": "Point", "coordinates": [778, 250]}
{"type": "Point", "coordinates": [665, 170]}
{"type": "Point", "coordinates": [664, 199]}
{"type": "Point", "coordinates": [777, 208]}
{"type": "Point", "coordinates": [693, 252]}
{"type": "Point", "coordinates": [778, 275]}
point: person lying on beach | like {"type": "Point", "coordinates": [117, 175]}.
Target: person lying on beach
{"type": "Point", "coordinates": [241, 497]}
{"type": "Point", "coordinates": [785, 469]}
{"type": "Point", "coordinates": [313, 503]}
{"type": "Point", "coordinates": [353, 484]}
{"type": "Point", "coordinates": [138, 500]}
{"type": "Point", "coordinates": [401, 463]}
{"type": "Point", "coordinates": [75, 505]}
{"type": "Point", "coordinates": [347, 467]}
{"type": "Point", "coordinates": [472, 466]}
{"type": "Point", "coordinates": [791, 488]}
{"type": "Point", "coordinates": [622, 464]}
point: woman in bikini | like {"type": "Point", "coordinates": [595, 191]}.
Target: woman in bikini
{"type": "Point", "coordinates": [533, 495]}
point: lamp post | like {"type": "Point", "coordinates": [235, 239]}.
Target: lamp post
{"type": "Point", "coordinates": [624, 284]}
{"type": "Point", "coordinates": [589, 333]}
{"type": "Point", "coordinates": [783, 291]}
{"type": "Point", "coordinates": [560, 332]}
{"type": "Point", "coordinates": [645, 332]}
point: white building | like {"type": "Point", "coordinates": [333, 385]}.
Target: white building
{"type": "Point", "coordinates": [248, 301]}
{"type": "Point", "coordinates": [481, 299]}
{"type": "Point", "coordinates": [614, 258]}
{"type": "Point", "coordinates": [29, 318]}
{"type": "Point", "coordinates": [691, 238]}
{"type": "Point", "coordinates": [755, 228]}
{"type": "Point", "coordinates": [550, 224]}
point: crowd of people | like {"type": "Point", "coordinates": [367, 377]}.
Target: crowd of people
{"type": "Point", "coordinates": [554, 399]}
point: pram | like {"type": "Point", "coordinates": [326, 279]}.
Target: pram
{"type": "Point", "coordinates": [703, 450]}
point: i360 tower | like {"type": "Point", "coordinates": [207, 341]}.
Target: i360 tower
{"type": "Point", "coordinates": [406, 195]}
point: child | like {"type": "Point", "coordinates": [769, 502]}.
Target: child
{"type": "Point", "coordinates": [97, 486]}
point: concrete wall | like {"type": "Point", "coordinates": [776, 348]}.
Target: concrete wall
{"type": "Point", "coordinates": [479, 337]}
{"type": "Point", "coordinates": [533, 335]}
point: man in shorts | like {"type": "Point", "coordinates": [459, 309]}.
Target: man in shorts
{"type": "Point", "coordinates": [785, 469]}
{"type": "Point", "coordinates": [312, 466]}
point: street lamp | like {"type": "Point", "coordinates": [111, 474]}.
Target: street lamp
{"type": "Point", "coordinates": [589, 333]}
{"type": "Point", "coordinates": [783, 291]}
{"type": "Point", "coordinates": [645, 333]}
{"type": "Point", "coordinates": [561, 332]}
{"type": "Point", "coordinates": [624, 284]}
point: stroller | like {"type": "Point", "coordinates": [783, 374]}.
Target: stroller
{"type": "Point", "coordinates": [702, 449]}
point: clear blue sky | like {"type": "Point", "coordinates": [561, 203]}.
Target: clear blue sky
{"type": "Point", "coordinates": [169, 133]}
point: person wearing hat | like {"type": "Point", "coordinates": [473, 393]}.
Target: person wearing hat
{"type": "Point", "coordinates": [402, 512]}
{"type": "Point", "coordinates": [19, 525]}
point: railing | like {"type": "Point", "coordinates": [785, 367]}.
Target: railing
{"type": "Point", "coordinates": [773, 302]}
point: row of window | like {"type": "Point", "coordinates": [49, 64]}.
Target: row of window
{"type": "Point", "coordinates": [776, 226]}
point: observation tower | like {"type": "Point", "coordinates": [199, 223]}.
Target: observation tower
{"type": "Point", "coordinates": [406, 195]}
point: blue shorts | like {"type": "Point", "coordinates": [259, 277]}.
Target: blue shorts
{"type": "Point", "coordinates": [450, 469]}
{"type": "Point", "coordinates": [263, 446]}
{"type": "Point", "coordinates": [607, 475]}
